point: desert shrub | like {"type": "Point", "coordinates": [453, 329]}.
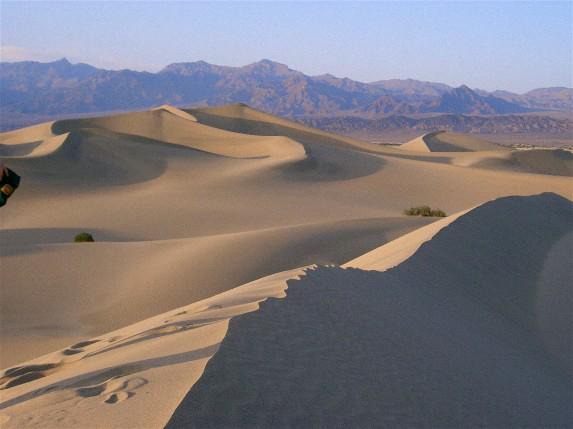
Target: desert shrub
{"type": "Point", "coordinates": [438, 213]}
{"type": "Point", "coordinates": [424, 211]}
{"type": "Point", "coordinates": [84, 237]}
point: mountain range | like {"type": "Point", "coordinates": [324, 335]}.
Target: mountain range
{"type": "Point", "coordinates": [31, 89]}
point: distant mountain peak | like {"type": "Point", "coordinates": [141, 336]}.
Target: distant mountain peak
{"type": "Point", "coordinates": [326, 76]}
{"type": "Point", "coordinates": [465, 100]}
{"type": "Point", "coordinates": [189, 68]}
{"type": "Point", "coordinates": [62, 63]}
{"type": "Point", "coordinates": [267, 63]}
{"type": "Point", "coordinates": [269, 68]}
{"type": "Point", "coordinates": [465, 90]}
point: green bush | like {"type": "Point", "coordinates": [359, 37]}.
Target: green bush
{"type": "Point", "coordinates": [438, 213]}
{"type": "Point", "coordinates": [84, 237]}
{"type": "Point", "coordinates": [424, 211]}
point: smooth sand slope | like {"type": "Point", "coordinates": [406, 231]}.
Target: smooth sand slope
{"type": "Point", "coordinates": [185, 205]}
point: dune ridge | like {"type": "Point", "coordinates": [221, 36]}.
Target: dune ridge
{"type": "Point", "coordinates": [474, 152]}
{"type": "Point", "coordinates": [411, 346]}
{"type": "Point", "coordinates": [437, 146]}
{"type": "Point", "coordinates": [442, 141]}
{"type": "Point", "coordinates": [165, 123]}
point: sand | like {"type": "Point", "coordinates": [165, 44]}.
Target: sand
{"type": "Point", "coordinates": [473, 152]}
{"type": "Point", "coordinates": [187, 206]}
{"type": "Point", "coordinates": [441, 141]}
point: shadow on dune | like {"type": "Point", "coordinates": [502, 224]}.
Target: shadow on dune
{"type": "Point", "coordinates": [262, 128]}
{"type": "Point", "coordinates": [89, 158]}
{"type": "Point", "coordinates": [325, 164]}
{"type": "Point", "coordinates": [449, 338]}
{"type": "Point", "coordinates": [22, 149]}
{"type": "Point", "coordinates": [329, 158]}
{"type": "Point", "coordinates": [349, 348]}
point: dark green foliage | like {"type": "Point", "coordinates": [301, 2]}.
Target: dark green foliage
{"type": "Point", "coordinates": [84, 237]}
{"type": "Point", "coordinates": [424, 211]}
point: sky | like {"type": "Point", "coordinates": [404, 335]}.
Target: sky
{"type": "Point", "coordinates": [516, 46]}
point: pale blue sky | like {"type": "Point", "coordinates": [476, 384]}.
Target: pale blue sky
{"type": "Point", "coordinates": [516, 46]}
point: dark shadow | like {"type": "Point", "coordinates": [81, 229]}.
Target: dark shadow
{"type": "Point", "coordinates": [22, 149]}
{"type": "Point", "coordinates": [91, 159]}
{"type": "Point", "coordinates": [329, 158]}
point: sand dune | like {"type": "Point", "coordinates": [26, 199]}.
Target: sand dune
{"type": "Point", "coordinates": [512, 283]}
{"type": "Point", "coordinates": [432, 343]}
{"type": "Point", "coordinates": [438, 146]}
{"type": "Point", "coordinates": [467, 151]}
{"type": "Point", "coordinates": [165, 124]}
{"type": "Point", "coordinates": [376, 352]}
{"type": "Point", "coordinates": [188, 205]}
{"type": "Point", "coordinates": [442, 141]}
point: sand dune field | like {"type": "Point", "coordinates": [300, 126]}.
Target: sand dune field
{"type": "Point", "coordinates": [367, 318]}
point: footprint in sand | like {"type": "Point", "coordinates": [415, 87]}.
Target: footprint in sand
{"type": "Point", "coordinates": [113, 390]}
{"type": "Point", "coordinates": [83, 344]}
{"type": "Point", "coordinates": [114, 398]}
{"type": "Point", "coordinates": [78, 347]}
{"type": "Point", "coordinates": [24, 374]}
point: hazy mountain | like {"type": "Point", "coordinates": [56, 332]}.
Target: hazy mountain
{"type": "Point", "coordinates": [460, 123]}
{"type": "Point", "coordinates": [31, 89]}
{"type": "Point", "coordinates": [556, 98]}
{"type": "Point", "coordinates": [464, 100]}
{"type": "Point", "coordinates": [387, 105]}
{"type": "Point", "coordinates": [460, 100]}
{"type": "Point", "coordinates": [408, 88]}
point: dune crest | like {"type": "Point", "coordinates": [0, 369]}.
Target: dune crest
{"type": "Point", "coordinates": [443, 141]}
{"type": "Point", "coordinates": [177, 112]}
{"type": "Point", "coordinates": [468, 151]}
{"type": "Point", "coordinates": [440, 340]}
{"type": "Point", "coordinates": [165, 124]}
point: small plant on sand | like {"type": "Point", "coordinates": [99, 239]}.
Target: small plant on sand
{"type": "Point", "coordinates": [84, 237]}
{"type": "Point", "coordinates": [424, 211]}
